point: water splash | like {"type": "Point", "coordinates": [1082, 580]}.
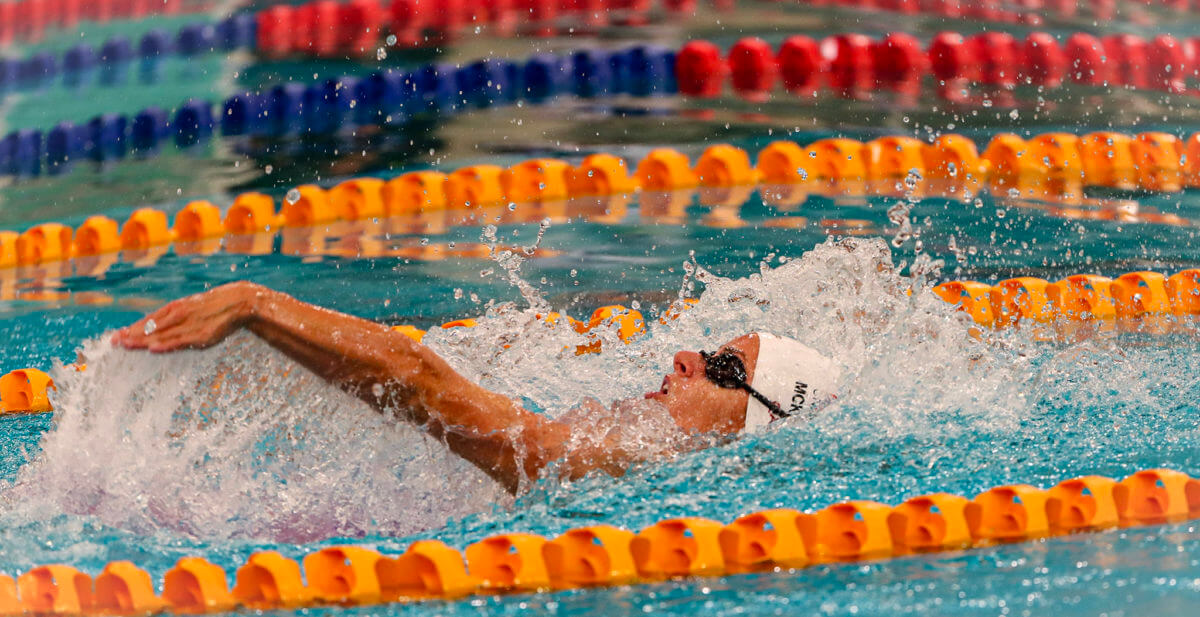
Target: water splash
{"type": "Point", "coordinates": [195, 443]}
{"type": "Point", "coordinates": [199, 442]}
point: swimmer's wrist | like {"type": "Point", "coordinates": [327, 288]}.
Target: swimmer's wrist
{"type": "Point", "coordinates": [255, 302]}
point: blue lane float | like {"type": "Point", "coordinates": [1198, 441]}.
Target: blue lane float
{"type": "Point", "coordinates": [332, 105]}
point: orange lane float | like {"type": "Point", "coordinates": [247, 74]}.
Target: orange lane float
{"type": "Point", "coordinates": [1157, 496]}
{"type": "Point", "coordinates": [954, 158]}
{"type": "Point", "coordinates": [590, 556]}
{"type": "Point", "coordinates": [1141, 301]}
{"type": "Point", "coordinates": [895, 158]}
{"type": "Point", "coordinates": [1045, 164]}
{"type": "Point", "coordinates": [1141, 298]}
{"type": "Point", "coordinates": [55, 589]}
{"type": "Point", "coordinates": [1156, 158]}
{"type": "Point", "coordinates": [270, 580]}
{"type": "Point", "coordinates": [43, 243]}
{"type": "Point", "coordinates": [972, 297]}
{"type": "Point", "coordinates": [343, 575]}
{"type": "Point", "coordinates": [847, 531]}
{"type": "Point", "coordinates": [1086, 504]}
{"type": "Point", "coordinates": [95, 236]}
{"type": "Point", "coordinates": [782, 162]}
{"type": "Point", "coordinates": [602, 555]}
{"type": "Point", "coordinates": [414, 192]}
{"type": "Point", "coordinates": [307, 205]}
{"type": "Point", "coordinates": [199, 220]}
{"type": "Point", "coordinates": [1007, 158]}
{"type": "Point", "coordinates": [474, 187]}
{"type": "Point", "coordinates": [1083, 297]}
{"type": "Point", "coordinates": [1183, 291]}
{"type": "Point", "coordinates": [428, 569]}
{"type": "Point", "coordinates": [724, 165]}
{"type": "Point", "coordinates": [145, 228]}
{"type": "Point", "coordinates": [8, 248]}
{"type": "Point", "coordinates": [937, 522]}
{"type": "Point", "coordinates": [678, 547]}
{"type": "Point", "coordinates": [509, 562]}
{"type": "Point", "coordinates": [1191, 161]}
{"type": "Point", "coordinates": [535, 181]}
{"type": "Point", "coordinates": [125, 589]}
{"type": "Point", "coordinates": [769, 538]}
{"type": "Point", "coordinates": [1011, 513]}
{"type": "Point", "coordinates": [25, 391]}
{"type": "Point", "coordinates": [665, 169]}
{"type": "Point", "coordinates": [1107, 160]}
{"type": "Point", "coordinates": [358, 199]}
{"type": "Point", "coordinates": [599, 175]}
{"type": "Point", "coordinates": [196, 586]}
{"type": "Point", "coordinates": [250, 213]}
{"type": "Point", "coordinates": [834, 160]}
{"type": "Point", "coordinates": [1019, 300]}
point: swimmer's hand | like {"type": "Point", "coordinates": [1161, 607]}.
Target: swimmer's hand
{"type": "Point", "coordinates": [195, 322]}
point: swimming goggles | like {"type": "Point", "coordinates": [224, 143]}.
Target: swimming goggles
{"type": "Point", "coordinates": [728, 371]}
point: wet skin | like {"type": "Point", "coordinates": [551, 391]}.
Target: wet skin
{"type": "Point", "coordinates": [393, 373]}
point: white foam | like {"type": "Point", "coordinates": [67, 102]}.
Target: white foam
{"type": "Point", "coordinates": [238, 441]}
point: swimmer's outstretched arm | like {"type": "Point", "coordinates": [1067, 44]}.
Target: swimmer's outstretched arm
{"type": "Point", "coordinates": [384, 368]}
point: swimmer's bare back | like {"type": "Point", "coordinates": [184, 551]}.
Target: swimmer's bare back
{"type": "Point", "coordinates": [387, 369]}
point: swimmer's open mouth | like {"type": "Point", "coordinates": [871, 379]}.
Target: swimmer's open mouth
{"type": "Point", "coordinates": [662, 390]}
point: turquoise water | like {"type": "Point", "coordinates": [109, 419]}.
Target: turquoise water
{"type": "Point", "coordinates": [923, 416]}
{"type": "Point", "coordinates": [289, 464]}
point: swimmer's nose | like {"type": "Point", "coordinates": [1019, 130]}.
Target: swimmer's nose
{"type": "Point", "coordinates": [688, 364]}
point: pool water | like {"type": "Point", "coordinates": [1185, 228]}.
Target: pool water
{"type": "Point", "coordinates": [155, 458]}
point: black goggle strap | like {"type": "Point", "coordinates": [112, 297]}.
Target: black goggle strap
{"type": "Point", "coordinates": [777, 412]}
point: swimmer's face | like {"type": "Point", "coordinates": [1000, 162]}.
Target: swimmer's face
{"type": "Point", "coordinates": [700, 406]}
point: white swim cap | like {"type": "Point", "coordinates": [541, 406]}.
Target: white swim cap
{"type": "Point", "coordinates": [793, 375]}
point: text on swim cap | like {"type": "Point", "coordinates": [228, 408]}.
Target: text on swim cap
{"type": "Point", "coordinates": [799, 396]}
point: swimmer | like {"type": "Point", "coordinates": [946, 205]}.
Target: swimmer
{"type": "Point", "coordinates": [745, 385]}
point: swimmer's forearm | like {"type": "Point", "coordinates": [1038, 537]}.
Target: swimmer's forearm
{"type": "Point", "coordinates": [392, 372]}
{"type": "Point", "coordinates": [347, 350]}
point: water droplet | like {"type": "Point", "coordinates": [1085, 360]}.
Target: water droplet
{"type": "Point", "coordinates": [269, 169]}
{"type": "Point", "coordinates": [381, 54]}
{"type": "Point", "coordinates": [1014, 193]}
{"type": "Point", "coordinates": [1001, 213]}
{"type": "Point", "coordinates": [391, 39]}
{"type": "Point", "coordinates": [150, 327]}
{"type": "Point", "coordinates": [292, 196]}
{"type": "Point", "coordinates": [377, 390]}
{"type": "Point", "coordinates": [987, 102]}
{"type": "Point", "coordinates": [1014, 114]}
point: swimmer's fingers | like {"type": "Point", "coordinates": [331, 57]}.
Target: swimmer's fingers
{"type": "Point", "coordinates": [139, 335]}
{"type": "Point", "coordinates": [131, 337]}
{"type": "Point", "coordinates": [181, 339]}
{"type": "Point", "coordinates": [170, 315]}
